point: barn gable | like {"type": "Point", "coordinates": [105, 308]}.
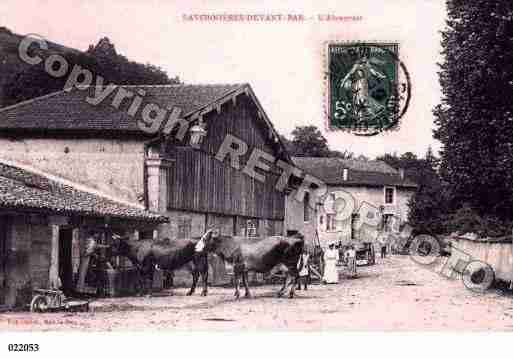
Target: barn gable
{"type": "Point", "coordinates": [199, 182]}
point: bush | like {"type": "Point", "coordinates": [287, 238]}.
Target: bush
{"type": "Point", "coordinates": [468, 220]}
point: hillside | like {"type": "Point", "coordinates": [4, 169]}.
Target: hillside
{"type": "Point", "coordinates": [20, 81]}
{"type": "Point", "coordinates": [11, 64]}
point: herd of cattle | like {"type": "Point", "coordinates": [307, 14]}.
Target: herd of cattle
{"type": "Point", "coordinates": [245, 256]}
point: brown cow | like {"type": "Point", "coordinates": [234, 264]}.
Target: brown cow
{"type": "Point", "coordinates": [256, 255]}
{"type": "Point", "coordinates": [146, 255]}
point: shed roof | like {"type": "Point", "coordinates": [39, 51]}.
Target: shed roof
{"type": "Point", "coordinates": [24, 190]}
{"type": "Point", "coordinates": [360, 172]}
{"type": "Point", "coordinates": [69, 111]}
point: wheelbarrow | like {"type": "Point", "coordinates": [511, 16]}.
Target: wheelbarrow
{"type": "Point", "coordinates": [49, 300]}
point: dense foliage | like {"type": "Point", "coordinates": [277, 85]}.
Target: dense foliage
{"type": "Point", "coordinates": [475, 117]}
{"type": "Point", "coordinates": [308, 141]}
{"type": "Point", "coordinates": [101, 60]}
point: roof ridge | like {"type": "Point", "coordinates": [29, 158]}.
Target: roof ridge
{"type": "Point", "coordinates": [65, 182]}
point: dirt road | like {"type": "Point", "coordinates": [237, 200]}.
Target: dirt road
{"type": "Point", "coordinates": [395, 294]}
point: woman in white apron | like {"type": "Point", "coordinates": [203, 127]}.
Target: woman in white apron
{"type": "Point", "coordinates": [330, 265]}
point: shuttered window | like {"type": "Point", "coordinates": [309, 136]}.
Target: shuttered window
{"type": "Point", "coordinates": [389, 195]}
{"type": "Point", "coordinates": [252, 228]}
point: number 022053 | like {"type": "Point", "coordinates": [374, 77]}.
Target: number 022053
{"type": "Point", "coordinates": [23, 347]}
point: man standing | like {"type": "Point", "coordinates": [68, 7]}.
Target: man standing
{"type": "Point", "coordinates": [351, 261]}
{"type": "Point", "coordinates": [383, 250]}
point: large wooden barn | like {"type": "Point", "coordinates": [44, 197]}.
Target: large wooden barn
{"type": "Point", "coordinates": [102, 147]}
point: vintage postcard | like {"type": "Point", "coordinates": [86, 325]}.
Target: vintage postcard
{"type": "Point", "coordinates": [170, 166]}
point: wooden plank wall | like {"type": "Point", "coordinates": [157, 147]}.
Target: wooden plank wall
{"type": "Point", "coordinates": [198, 182]}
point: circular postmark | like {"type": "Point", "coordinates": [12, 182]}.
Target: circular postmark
{"type": "Point", "coordinates": [369, 87]}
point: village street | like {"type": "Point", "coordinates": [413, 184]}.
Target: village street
{"type": "Point", "coordinates": [395, 294]}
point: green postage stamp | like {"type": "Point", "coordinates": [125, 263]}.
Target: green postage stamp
{"type": "Point", "coordinates": [368, 87]}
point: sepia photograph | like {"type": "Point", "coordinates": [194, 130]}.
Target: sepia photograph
{"type": "Point", "coordinates": [254, 167]}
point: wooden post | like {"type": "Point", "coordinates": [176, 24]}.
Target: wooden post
{"type": "Point", "coordinates": [55, 281]}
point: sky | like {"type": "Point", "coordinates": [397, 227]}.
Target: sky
{"type": "Point", "coordinates": [282, 61]}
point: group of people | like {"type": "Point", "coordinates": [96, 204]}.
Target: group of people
{"type": "Point", "coordinates": [331, 258]}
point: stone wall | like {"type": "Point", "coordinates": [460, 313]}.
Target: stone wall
{"type": "Point", "coordinates": [295, 220]}
{"type": "Point", "coordinates": [28, 260]}
{"type": "Point", "coordinates": [113, 167]}
{"type": "Point", "coordinates": [498, 255]}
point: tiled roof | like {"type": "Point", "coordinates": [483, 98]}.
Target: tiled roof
{"type": "Point", "coordinates": [70, 110]}
{"type": "Point", "coordinates": [360, 172]}
{"type": "Point", "coordinates": [24, 190]}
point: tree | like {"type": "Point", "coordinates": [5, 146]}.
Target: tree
{"type": "Point", "coordinates": [101, 60]}
{"type": "Point", "coordinates": [475, 117]}
{"type": "Point", "coordinates": [308, 141]}
{"type": "Point", "coordinates": [428, 206]}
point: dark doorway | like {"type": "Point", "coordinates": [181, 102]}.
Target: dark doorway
{"type": "Point", "coordinates": [3, 259]}
{"type": "Point", "coordinates": [65, 261]}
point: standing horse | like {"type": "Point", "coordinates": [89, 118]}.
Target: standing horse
{"type": "Point", "coordinates": [257, 255]}
{"type": "Point", "coordinates": [146, 255]}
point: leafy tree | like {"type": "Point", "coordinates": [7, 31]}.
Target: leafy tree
{"type": "Point", "coordinates": [35, 81]}
{"type": "Point", "coordinates": [475, 117]}
{"type": "Point", "coordinates": [101, 60]}
{"type": "Point", "coordinates": [308, 141]}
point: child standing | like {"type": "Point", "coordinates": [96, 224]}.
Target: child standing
{"type": "Point", "coordinates": [303, 267]}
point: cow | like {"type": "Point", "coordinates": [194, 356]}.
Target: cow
{"type": "Point", "coordinates": [148, 255]}
{"type": "Point", "coordinates": [256, 255]}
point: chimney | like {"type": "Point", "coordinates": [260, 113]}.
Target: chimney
{"type": "Point", "coordinates": [401, 173]}
{"type": "Point", "coordinates": [345, 173]}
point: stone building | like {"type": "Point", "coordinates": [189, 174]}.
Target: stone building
{"type": "Point", "coordinates": [353, 187]}
{"type": "Point", "coordinates": [44, 221]}
{"type": "Point", "coordinates": [102, 147]}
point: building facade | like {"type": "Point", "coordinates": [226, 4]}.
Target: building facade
{"type": "Point", "coordinates": [102, 147]}
{"type": "Point", "coordinates": [354, 188]}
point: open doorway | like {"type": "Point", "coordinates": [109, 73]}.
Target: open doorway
{"type": "Point", "coordinates": [65, 259]}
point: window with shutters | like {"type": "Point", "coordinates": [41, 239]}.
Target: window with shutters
{"type": "Point", "coordinates": [252, 228]}
{"type": "Point", "coordinates": [389, 195]}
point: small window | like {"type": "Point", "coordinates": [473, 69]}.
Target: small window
{"type": "Point", "coordinates": [321, 220]}
{"type": "Point", "coordinates": [251, 228]}
{"type": "Point", "coordinates": [306, 203]}
{"type": "Point", "coordinates": [389, 195]}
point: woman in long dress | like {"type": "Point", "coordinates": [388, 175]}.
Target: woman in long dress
{"type": "Point", "coordinates": [330, 265]}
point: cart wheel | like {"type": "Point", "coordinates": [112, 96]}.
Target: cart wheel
{"type": "Point", "coordinates": [39, 304]}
